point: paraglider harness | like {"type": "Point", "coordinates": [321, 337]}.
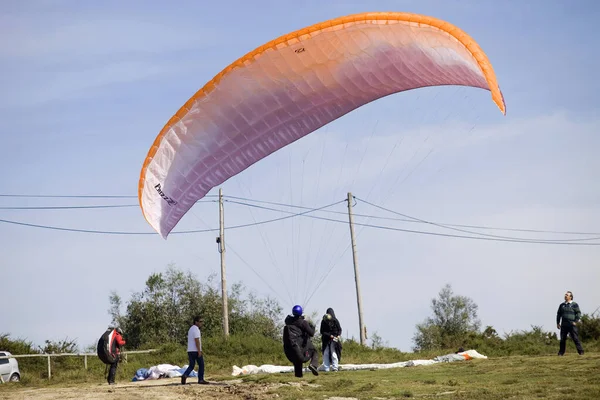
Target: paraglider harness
{"type": "Point", "coordinates": [107, 348]}
{"type": "Point", "coordinates": [296, 341]}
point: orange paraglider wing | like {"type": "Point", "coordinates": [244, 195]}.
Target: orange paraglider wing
{"type": "Point", "coordinates": [292, 86]}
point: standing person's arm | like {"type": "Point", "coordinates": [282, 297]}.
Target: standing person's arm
{"type": "Point", "coordinates": [120, 342]}
{"type": "Point", "coordinates": [558, 315]}
{"type": "Point", "coordinates": [577, 313]}
{"type": "Point", "coordinates": [325, 330]}
{"type": "Point", "coordinates": [197, 340]}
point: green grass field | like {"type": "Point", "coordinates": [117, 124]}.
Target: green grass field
{"type": "Point", "coordinates": [519, 377]}
{"type": "Point", "coordinates": [530, 376]}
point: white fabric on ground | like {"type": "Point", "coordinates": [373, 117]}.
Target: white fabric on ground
{"type": "Point", "coordinates": [270, 369]}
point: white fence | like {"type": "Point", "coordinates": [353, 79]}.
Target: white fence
{"type": "Point", "coordinates": [84, 355]}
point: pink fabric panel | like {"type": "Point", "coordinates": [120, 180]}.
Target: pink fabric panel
{"type": "Point", "coordinates": [287, 93]}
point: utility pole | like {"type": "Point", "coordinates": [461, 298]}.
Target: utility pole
{"type": "Point", "coordinates": [221, 243]}
{"type": "Point", "coordinates": [356, 276]}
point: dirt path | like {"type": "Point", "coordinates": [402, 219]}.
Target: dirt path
{"type": "Point", "coordinates": [162, 389]}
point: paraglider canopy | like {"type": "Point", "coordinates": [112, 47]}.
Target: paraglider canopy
{"type": "Point", "coordinates": [293, 85]}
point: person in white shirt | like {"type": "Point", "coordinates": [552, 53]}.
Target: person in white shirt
{"type": "Point", "coordinates": [194, 350]}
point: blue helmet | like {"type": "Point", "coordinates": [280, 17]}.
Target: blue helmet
{"type": "Point", "coordinates": [297, 310]}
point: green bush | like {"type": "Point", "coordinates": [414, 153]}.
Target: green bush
{"type": "Point", "coordinates": [589, 328]}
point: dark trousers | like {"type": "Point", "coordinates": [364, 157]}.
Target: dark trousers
{"type": "Point", "coordinates": [298, 370]}
{"type": "Point", "coordinates": [113, 371]}
{"type": "Point", "coordinates": [313, 356]}
{"type": "Point", "coordinates": [193, 357]}
{"type": "Point", "coordinates": [568, 328]}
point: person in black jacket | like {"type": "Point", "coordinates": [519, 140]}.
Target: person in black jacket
{"type": "Point", "coordinates": [331, 330]}
{"type": "Point", "coordinates": [297, 345]}
{"type": "Point", "coordinates": [570, 314]}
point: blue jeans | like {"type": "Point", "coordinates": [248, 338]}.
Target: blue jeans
{"type": "Point", "coordinates": [193, 357]}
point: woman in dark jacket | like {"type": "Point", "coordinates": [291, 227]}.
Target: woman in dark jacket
{"type": "Point", "coordinates": [331, 330]}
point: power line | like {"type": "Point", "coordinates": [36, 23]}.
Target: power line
{"type": "Point", "coordinates": [468, 231]}
{"type": "Point", "coordinates": [154, 233]}
{"type": "Point", "coordinates": [69, 207]}
{"type": "Point", "coordinates": [413, 220]}
{"type": "Point", "coordinates": [479, 237]}
{"type": "Point", "coordinates": [83, 207]}
{"type": "Point", "coordinates": [408, 219]}
{"type": "Point", "coordinates": [500, 239]}
{"type": "Point", "coordinates": [79, 196]}
{"type": "Point", "coordinates": [43, 196]}
{"type": "Point", "coordinates": [58, 228]}
{"type": "Point", "coordinates": [305, 213]}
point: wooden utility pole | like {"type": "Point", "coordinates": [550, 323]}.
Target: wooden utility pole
{"type": "Point", "coordinates": [221, 242]}
{"type": "Point", "coordinates": [356, 276]}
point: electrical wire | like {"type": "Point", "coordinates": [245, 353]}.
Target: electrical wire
{"type": "Point", "coordinates": [408, 219]}
{"type": "Point", "coordinates": [412, 220]}
{"type": "Point", "coordinates": [306, 214]}
{"type": "Point", "coordinates": [468, 231]}
{"type": "Point", "coordinates": [154, 233]}
{"type": "Point", "coordinates": [83, 207]}
{"type": "Point", "coordinates": [501, 239]}
{"type": "Point", "coordinates": [69, 196]}
{"type": "Point", "coordinates": [69, 207]}
{"type": "Point", "coordinates": [80, 196]}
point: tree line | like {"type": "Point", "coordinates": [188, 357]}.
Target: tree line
{"type": "Point", "coordinates": [454, 323]}
{"type": "Point", "coordinates": [162, 312]}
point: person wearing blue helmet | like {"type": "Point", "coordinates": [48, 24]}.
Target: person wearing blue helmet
{"type": "Point", "coordinates": [297, 346]}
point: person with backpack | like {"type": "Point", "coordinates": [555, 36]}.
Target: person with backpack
{"type": "Point", "coordinates": [331, 347]}
{"type": "Point", "coordinates": [109, 350]}
{"type": "Point", "coordinates": [297, 346]}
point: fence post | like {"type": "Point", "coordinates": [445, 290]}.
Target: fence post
{"type": "Point", "coordinates": [49, 356]}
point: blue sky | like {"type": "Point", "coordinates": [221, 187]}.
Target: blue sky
{"type": "Point", "coordinates": [87, 87]}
